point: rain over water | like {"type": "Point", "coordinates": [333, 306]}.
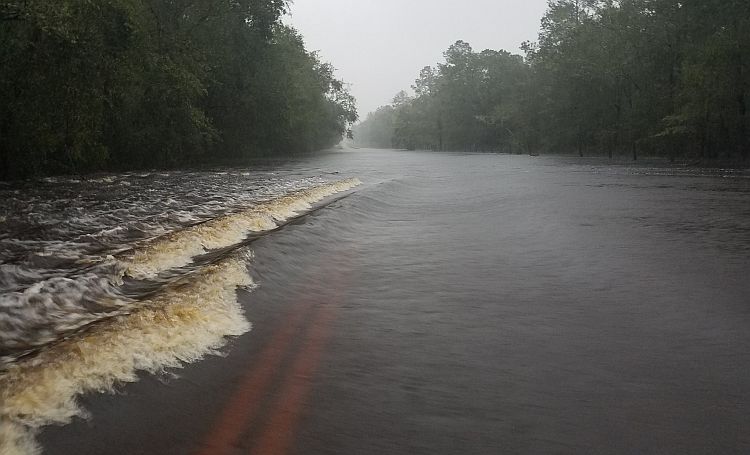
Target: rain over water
{"type": "Point", "coordinates": [562, 293]}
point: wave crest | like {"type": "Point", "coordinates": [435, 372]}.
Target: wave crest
{"type": "Point", "coordinates": [182, 324]}
{"type": "Point", "coordinates": [177, 249]}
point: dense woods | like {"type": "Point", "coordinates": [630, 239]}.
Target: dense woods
{"type": "Point", "coordinates": [124, 84]}
{"type": "Point", "coordinates": [619, 78]}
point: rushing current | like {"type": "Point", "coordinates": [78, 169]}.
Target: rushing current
{"type": "Point", "coordinates": [66, 245]}
{"type": "Point", "coordinates": [144, 265]}
{"type": "Point", "coordinates": [539, 304]}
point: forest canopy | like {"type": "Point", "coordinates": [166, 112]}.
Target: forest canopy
{"type": "Point", "coordinates": [125, 84]}
{"type": "Point", "coordinates": [629, 78]}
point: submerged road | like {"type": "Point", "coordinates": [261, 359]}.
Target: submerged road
{"type": "Point", "coordinates": [476, 304]}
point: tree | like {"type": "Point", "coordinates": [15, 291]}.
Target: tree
{"type": "Point", "coordinates": [606, 77]}
{"type": "Point", "coordinates": [124, 84]}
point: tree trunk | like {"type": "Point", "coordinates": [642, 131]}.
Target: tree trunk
{"type": "Point", "coordinates": [440, 134]}
{"type": "Point", "coordinates": [742, 140]}
{"type": "Point", "coordinates": [4, 144]}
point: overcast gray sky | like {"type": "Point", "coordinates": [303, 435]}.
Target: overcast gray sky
{"type": "Point", "coordinates": [379, 46]}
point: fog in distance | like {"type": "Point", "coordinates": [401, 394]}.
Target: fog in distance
{"type": "Point", "coordinates": [379, 46]}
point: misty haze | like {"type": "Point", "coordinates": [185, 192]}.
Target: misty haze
{"type": "Point", "coordinates": [374, 227]}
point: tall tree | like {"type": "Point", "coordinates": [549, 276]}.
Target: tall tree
{"type": "Point", "coordinates": [606, 77]}
{"type": "Point", "coordinates": [121, 84]}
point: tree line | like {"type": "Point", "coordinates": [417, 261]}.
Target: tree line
{"type": "Point", "coordinates": [619, 78]}
{"type": "Point", "coordinates": [126, 84]}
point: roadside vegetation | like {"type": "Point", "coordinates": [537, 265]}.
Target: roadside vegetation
{"type": "Point", "coordinates": [609, 78]}
{"type": "Point", "coordinates": [127, 84]}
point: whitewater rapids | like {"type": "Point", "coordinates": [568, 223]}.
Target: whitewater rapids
{"type": "Point", "coordinates": [86, 316]}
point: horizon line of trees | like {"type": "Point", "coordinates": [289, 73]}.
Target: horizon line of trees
{"type": "Point", "coordinates": [606, 77]}
{"type": "Point", "coordinates": [126, 84]}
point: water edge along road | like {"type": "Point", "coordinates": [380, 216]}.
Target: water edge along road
{"type": "Point", "coordinates": [482, 304]}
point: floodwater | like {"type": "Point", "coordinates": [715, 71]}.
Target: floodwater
{"type": "Point", "coordinates": [67, 246]}
{"type": "Point", "coordinates": [451, 303]}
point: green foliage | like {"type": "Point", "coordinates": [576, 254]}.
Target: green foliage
{"type": "Point", "coordinates": [121, 84]}
{"type": "Point", "coordinates": [377, 130]}
{"type": "Point", "coordinates": [606, 77]}
{"type": "Point", "coordinates": [466, 103]}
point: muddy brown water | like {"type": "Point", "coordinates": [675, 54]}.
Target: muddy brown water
{"type": "Point", "coordinates": [482, 304]}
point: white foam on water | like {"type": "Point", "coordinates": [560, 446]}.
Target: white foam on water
{"type": "Point", "coordinates": [187, 321]}
{"type": "Point", "coordinates": [17, 440]}
{"type": "Point", "coordinates": [86, 337]}
{"type": "Point", "coordinates": [178, 249]}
